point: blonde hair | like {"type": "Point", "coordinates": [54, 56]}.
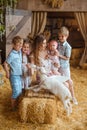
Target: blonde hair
{"type": "Point", "coordinates": [16, 39]}
{"type": "Point", "coordinates": [63, 30]}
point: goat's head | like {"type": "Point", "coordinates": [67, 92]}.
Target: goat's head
{"type": "Point", "coordinates": [40, 69]}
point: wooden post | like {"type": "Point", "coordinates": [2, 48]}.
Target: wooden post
{"type": "Point", "coordinates": [3, 41]}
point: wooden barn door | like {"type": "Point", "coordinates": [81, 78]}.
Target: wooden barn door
{"type": "Point", "coordinates": [18, 22]}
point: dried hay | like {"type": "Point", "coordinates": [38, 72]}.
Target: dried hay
{"type": "Point", "coordinates": [77, 53]}
{"type": "Point", "coordinates": [47, 34]}
{"type": "Point", "coordinates": [84, 66]}
{"type": "Point", "coordinates": [76, 121]}
{"type": "Point", "coordinates": [54, 3]}
{"type": "Point", "coordinates": [2, 70]}
{"type": "Point", "coordinates": [41, 94]}
{"type": "Point", "coordinates": [76, 56]}
{"type": "Point", "coordinates": [38, 107]}
{"type": "Point", "coordinates": [4, 79]}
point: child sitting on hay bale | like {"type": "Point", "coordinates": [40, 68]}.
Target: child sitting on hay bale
{"type": "Point", "coordinates": [53, 55]}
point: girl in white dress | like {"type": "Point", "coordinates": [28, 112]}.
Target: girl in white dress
{"type": "Point", "coordinates": [53, 55]}
{"type": "Point", "coordinates": [26, 76]}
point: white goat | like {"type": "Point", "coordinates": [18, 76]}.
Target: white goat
{"type": "Point", "coordinates": [56, 87]}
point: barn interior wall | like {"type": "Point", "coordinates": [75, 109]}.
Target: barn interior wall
{"type": "Point", "coordinates": [39, 5]}
{"type": "Point", "coordinates": [75, 37]}
{"type": "Point", "coordinates": [17, 25]}
{"type": "Point", "coordinates": [56, 19]}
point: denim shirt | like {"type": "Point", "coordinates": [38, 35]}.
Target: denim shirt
{"type": "Point", "coordinates": [65, 50]}
{"type": "Point", "coordinates": [14, 59]}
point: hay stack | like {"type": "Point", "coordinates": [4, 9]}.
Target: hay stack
{"type": "Point", "coordinates": [76, 56]}
{"type": "Point", "coordinates": [38, 108]}
{"type": "Point", "coordinates": [2, 74]}
{"type": "Point", "coordinates": [84, 66]}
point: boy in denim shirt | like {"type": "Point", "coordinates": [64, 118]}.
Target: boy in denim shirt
{"type": "Point", "coordinates": [64, 55]}
{"type": "Point", "coordinates": [14, 61]}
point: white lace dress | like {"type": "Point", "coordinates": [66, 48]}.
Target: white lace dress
{"type": "Point", "coordinates": [55, 60]}
{"type": "Point", "coordinates": [25, 77]}
{"type": "Point", "coordinates": [47, 64]}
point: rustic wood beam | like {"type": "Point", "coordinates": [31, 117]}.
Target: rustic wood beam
{"type": "Point", "coordinates": [18, 12]}
{"type": "Point", "coordinates": [68, 6]}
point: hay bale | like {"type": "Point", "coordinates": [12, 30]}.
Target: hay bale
{"type": "Point", "coordinates": [84, 66]}
{"type": "Point", "coordinates": [41, 94]}
{"type": "Point", "coordinates": [76, 56]}
{"type": "Point", "coordinates": [38, 109]}
{"type": "Point", "coordinates": [76, 53]}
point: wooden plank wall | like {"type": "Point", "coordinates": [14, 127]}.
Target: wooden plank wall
{"type": "Point", "coordinates": [20, 21]}
{"type": "Point", "coordinates": [68, 6]}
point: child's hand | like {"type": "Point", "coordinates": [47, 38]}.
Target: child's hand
{"type": "Point", "coordinates": [57, 53]}
{"type": "Point", "coordinates": [28, 66]}
{"type": "Point", "coordinates": [50, 74]}
{"type": "Point", "coordinates": [47, 57]}
{"type": "Point", "coordinates": [56, 65]}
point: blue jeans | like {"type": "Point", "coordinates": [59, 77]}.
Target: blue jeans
{"type": "Point", "coordinates": [16, 85]}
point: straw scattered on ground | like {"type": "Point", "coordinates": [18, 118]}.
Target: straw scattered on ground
{"type": "Point", "coordinates": [76, 121]}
